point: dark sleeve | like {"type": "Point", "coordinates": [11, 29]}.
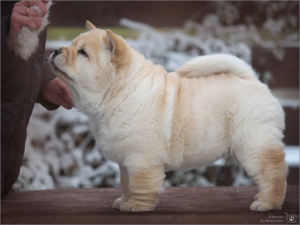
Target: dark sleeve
{"type": "Point", "coordinates": [10, 58]}
{"type": "Point", "coordinates": [47, 76]}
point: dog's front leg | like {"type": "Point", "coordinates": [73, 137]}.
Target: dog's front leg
{"type": "Point", "coordinates": [124, 183]}
{"type": "Point", "coordinates": [145, 185]}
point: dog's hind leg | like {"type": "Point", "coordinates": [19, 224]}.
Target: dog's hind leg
{"type": "Point", "coordinates": [271, 180]}
{"type": "Point", "coordinates": [268, 169]}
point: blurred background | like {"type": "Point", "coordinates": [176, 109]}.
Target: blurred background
{"type": "Point", "coordinates": [60, 150]}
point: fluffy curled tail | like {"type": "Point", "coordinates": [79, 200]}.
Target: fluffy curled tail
{"type": "Point", "coordinates": [203, 66]}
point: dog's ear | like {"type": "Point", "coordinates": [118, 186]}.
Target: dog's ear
{"type": "Point", "coordinates": [117, 46]}
{"type": "Point", "coordinates": [89, 26]}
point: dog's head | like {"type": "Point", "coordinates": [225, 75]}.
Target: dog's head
{"type": "Point", "coordinates": [92, 63]}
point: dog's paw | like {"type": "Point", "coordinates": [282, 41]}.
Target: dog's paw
{"type": "Point", "coordinates": [118, 202]}
{"type": "Point", "coordinates": [132, 206]}
{"type": "Point", "coordinates": [262, 206]}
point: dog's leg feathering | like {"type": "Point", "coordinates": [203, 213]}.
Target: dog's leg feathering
{"type": "Point", "coordinates": [271, 181]}
{"type": "Point", "coordinates": [145, 185]}
{"type": "Point", "coordinates": [268, 169]}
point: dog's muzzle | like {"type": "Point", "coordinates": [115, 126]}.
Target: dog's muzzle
{"type": "Point", "coordinates": [56, 53]}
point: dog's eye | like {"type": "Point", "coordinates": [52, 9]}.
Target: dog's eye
{"type": "Point", "coordinates": [82, 52]}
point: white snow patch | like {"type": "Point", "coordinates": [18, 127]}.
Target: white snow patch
{"type": "Point", "coordinates": [292, 155]}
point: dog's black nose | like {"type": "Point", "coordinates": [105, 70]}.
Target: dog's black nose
{"type": "Point", "coordinates": [56, 52]}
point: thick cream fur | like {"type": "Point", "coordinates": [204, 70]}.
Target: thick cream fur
{"type": "Point", "coordinates": [27, 41]}
{"type": "Point", "coordinates": [150, 121]}
{"type": "Point", "coordinates": [202, 66]}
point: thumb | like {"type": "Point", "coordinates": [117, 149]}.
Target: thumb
{"type": "Point", "coordinates": [65, 101]}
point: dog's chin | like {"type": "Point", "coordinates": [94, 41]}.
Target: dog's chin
{"type": "Point", "coordinates": [62, 75]}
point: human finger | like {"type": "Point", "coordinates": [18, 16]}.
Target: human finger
{"type": "Point", "coordinates": [18, 20]}
{"type": "Point", "coordinates": [19, 4]}
{"type": "Point", "coordinates": [41, 6]}
{"type": "Point", "coordinates": [34, 15]}
{"type": "Point", "coordinates": [69, 95]}
{"type": "Point", "coordinates": [66, 94]}
{"type": "Point", "coordinates": [65, 101]}
{"type": "Point", "coordinates": [31, 14]}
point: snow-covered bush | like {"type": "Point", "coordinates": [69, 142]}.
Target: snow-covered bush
{"type": "Point", "coordinates": [60, 150]}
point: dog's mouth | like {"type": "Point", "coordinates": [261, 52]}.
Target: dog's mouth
{"type": "Point", "coordinates": [59, 72]}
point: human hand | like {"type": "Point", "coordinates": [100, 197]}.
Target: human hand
{"type": "Point", "coordinates": [57, 92]}
{"type": "Point", "coordinates": [23, 15]}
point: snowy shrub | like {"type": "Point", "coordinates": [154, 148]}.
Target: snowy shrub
{"type": "Point", "coordinates": [61, 152]}
{"type": "Point", "coordinates": [172, 48]}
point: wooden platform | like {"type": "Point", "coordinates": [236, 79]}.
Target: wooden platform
{"type": "Point", "coordinates": [200, 205]}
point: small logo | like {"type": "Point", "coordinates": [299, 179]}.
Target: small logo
{"type": "Point", "coordinates": [291, 218]}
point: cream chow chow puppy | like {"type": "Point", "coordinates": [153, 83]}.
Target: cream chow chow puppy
{"type": "Point", "coordinates": [150, 121]}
